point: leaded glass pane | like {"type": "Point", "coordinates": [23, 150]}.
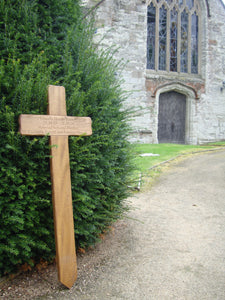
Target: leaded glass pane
{"type": "Point", "coordinates": [190, 3]}
{"type": "Point", "coordinates": [194, 43]}
{"type": "Point", "coordinates": [151, 37]}
{"type": "Point", "coordinates": [169, 1]}
{"type": "Point", "coordinates": [173, 40]}
{"type": "Point", "coordinates": [181, 2]}
{"type": "Point", "coordinates": [162, 37]}
{"type": "Point", "coordinates": [184, 42]}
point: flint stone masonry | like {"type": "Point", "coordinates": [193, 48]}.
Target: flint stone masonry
{"type": "Point", "coordinates": [123, 23]}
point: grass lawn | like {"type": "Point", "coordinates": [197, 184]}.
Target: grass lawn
{"type": "Point", "coordinates": [165, 152]}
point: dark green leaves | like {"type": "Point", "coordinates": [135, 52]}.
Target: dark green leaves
{"type": "Point", "coordinates": [42, 43]}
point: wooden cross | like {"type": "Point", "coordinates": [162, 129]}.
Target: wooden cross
{"type": "Point", "coordinates": [59, 126]}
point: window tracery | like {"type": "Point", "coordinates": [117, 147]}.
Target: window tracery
{"type": "Point", "coordinates": [173, 36]}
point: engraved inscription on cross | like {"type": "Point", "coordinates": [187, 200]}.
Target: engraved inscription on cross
{"type": "Point", "coordinates": [59, 126]}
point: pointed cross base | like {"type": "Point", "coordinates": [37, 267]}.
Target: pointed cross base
{"type": "Point", "coordinates": [59, 126]}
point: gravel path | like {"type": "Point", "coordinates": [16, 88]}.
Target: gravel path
{"type": "Point", "coordinates": [171, 246]}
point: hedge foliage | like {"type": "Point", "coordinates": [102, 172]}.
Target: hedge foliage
{"type": "Point", "coordinates": [46, 42]}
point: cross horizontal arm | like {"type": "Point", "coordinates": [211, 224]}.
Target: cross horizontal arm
{"type": "Point", "coordinates": [59, 126]}
{"type": "Point", "coordinates": [54, 125]}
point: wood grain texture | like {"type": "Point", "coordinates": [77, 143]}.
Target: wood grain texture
{"type": "Point", "coordinates": [54, 125]}
{"type": "Point", "coordinates": [61, 192]}
{"type": "Point", "coordinates": [63, 211]}
{"type": "Point", "coordinates": [58, 125]}
{"type": "Point", "coordinates": [172, 118]}
{"type": "Point", "coordinates": [56, 100]}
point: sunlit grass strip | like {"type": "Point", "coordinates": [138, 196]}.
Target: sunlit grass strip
{"type": "Point", "coordinates": [149, 167]}
{"type": "Point", "coordinates": [165, 151]}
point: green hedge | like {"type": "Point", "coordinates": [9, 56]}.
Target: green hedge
{"type": "Point", "coordinates": [42, 43]}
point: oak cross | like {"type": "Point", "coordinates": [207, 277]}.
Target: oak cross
{"type": "Point", "coordinates": [59, 126]}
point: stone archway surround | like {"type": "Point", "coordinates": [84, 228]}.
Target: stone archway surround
{"type": "Point", "coordinates": [191, 115]}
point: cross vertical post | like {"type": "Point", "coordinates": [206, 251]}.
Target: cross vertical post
{"type": "Point", "coordinates": [58, 125]}
{"type": "Point", "coordinates": [61, 194]}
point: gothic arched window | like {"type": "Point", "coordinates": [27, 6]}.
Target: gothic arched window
{"type": "Point", "coordinates": [173, 36]}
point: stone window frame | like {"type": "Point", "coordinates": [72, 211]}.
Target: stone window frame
{"type": "Point", "coordinates": [198, 5]}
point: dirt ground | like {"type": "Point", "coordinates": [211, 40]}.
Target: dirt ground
{"type": "Point", "coordinates": [171, 245]}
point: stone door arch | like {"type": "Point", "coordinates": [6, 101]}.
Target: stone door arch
{"type": "Point", "coordinates": [190, 110]}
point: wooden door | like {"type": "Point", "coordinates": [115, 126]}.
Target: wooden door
{"type": "Point", "coordinates": [171, 118]}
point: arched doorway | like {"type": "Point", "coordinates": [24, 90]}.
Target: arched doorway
{"type": "Point", "coordinates": [172, 118]}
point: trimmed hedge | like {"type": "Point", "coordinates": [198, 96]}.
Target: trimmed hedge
{"type": "Point", "coordinates": [42, 43]}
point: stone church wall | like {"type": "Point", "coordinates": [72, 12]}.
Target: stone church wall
{"type": "Point", "coordinates": [211, 110]}
{"type": "Point", "coordinates": [123, 24]}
